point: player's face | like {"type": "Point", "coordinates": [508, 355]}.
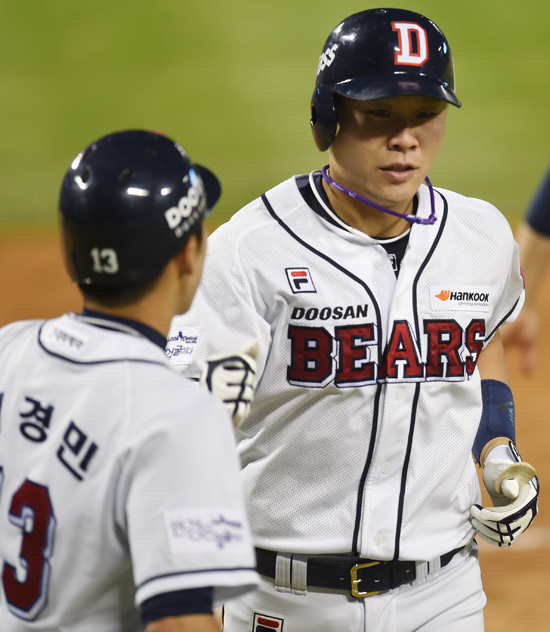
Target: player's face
{"type": "Point", "coordinates": [384, 149]}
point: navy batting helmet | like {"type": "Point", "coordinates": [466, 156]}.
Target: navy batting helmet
{"type": "Point", "coordinates": [377, 54]}
{"type": "Point", "coordinates": [129, 203]}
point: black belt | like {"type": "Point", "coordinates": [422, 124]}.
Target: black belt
{"type": "Point", "coordinates": [360, 576]}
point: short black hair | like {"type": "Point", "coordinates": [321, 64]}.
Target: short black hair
{"type": "Point", "coordinates": [128, 293]}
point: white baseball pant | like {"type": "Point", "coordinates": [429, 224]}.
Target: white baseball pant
{"type": "Point", "coordinates": [449, 600]}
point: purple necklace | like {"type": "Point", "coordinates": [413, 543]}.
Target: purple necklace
{"type": "Point", "coordinates": [413, 219]}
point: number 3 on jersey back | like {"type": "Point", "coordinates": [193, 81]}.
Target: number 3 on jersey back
{"type": "Point", "coordinates": [30, 511]}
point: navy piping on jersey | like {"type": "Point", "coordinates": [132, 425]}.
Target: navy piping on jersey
{"type": "Point", "coordinates": [443, 221]}
{"type": "Point", "coordinates": [98, 319]}
{"type": "Point", "coordinates": [363, 479]}
{"type": "Point", "coordinates": [309, 198]}
{"type": "Point", "coordinates": [302, 182]}
{"type": "Point", "coordinates": [491, 333]}
{"type": "Point", "coordinates": [404, 473]}
{"type": "Point", "coordinates": [394, 248]}
{"type": "Point", "coordinates": [151, 334]}
{"type": "Point", "coordinates": [196, 572]}
{"type": "Point", "coordinates": [379, 386]}
{"type": "Point", "coordinates": [414, 410]}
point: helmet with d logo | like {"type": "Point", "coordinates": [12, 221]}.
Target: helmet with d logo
{"type": "Point", "coordinates": [378, 54]}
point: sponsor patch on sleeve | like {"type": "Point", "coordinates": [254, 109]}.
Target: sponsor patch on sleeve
{"type": "Point", "coordinates": [202, 530]}
{"type": "Point", "coordinates": [460, 298]}
{"type": "Point", "coordinates": [181, 344]}
{"type": "Point", "coordinates": [62, 335]}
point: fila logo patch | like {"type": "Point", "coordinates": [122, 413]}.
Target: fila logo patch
{"type": "Point", "coordinates": [300, 280]}
{"type": "Point", "coordinates": [267, 623]}
{"type": "Point", "coordinates": [455, 298]}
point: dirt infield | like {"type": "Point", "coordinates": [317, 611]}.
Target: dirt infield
{"type": "Point", "coordinates": [517, 581]}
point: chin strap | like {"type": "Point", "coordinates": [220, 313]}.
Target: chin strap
{"type": "Point", "coordinates": [413, 219]}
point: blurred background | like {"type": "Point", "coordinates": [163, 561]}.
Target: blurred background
{"type": "Point", "coordinates": [232, 82]}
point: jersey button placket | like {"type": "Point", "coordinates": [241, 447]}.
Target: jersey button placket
{"type": "Point", "coordinates": [382, 507]}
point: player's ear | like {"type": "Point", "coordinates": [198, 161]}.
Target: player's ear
{"type": "Point", "coordinates": [190, 256]}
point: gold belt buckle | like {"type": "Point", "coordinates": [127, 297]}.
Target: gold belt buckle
{"type": "Point", "coordinates": [355, 581]}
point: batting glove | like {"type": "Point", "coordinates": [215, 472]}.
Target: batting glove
{"type": "Point", "coordinates": [231, 378]}
{"type": "Point", "coordinates": [514, 490]}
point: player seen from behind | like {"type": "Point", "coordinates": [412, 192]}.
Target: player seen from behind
{"type": "Point", "coordinates": [120, 501]}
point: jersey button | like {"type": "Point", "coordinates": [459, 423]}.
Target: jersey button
{"type": "Point", "coordinates": [379, 265]}
{"type": "Point", "coordinates": [398, 395]}
{"type": "Point", "coordinates": [378, 539]}
{"type": "Point", "coordinates": [386, 468]}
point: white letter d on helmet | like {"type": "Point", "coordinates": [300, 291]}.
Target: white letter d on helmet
{"type": "Point", "coordinates": [405, 55]}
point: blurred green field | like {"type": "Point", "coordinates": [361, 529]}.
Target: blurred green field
{"type": "Point", "coordinates": [232, 82]}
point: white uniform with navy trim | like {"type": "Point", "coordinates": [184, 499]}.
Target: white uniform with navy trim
{"type": "Point", "coordinates": [119, 480]}
{"type": "Point", "coordinates": [368, 402]}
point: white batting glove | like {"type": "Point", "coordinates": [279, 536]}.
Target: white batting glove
{"type": "Point", "coordinates": [514, 490]}
{"type": "Point", "coordinates": [231, 378]}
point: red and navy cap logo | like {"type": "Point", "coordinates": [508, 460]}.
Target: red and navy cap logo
{"type": "Point", "coordinates": [267, 623]}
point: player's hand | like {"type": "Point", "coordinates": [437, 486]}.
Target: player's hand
{"type": "Point", "coordinates": [231, 378]}
{"type": "Point", "coordinates": [514, 490]}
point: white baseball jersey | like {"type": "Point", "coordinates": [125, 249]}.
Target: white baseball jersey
{"type": "Point", "coordinates": [119, 480]}
{"type": "Point", "coordinates": [368, 402]}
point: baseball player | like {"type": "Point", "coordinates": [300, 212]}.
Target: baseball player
{"type": "Point", "coordinates": [120, 499]}
{"type": "Point", "coordinates": [533, 238]}
{"type": "Point", "coordinates": [376, 301]}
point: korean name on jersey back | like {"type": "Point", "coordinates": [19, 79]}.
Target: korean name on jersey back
{"type": "Point", "coordinates": [350, 352]}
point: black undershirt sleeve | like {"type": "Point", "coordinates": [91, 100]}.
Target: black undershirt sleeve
{"type": "Point", "coordinates": [176, 604]}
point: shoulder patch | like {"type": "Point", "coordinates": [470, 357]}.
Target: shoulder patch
{"type": "Point", "coordinates": [181, 344]}
{"type": "Point", "coordinates": [59, 335]}
{"type": "Point", "coordinates": [202, 530]}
